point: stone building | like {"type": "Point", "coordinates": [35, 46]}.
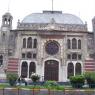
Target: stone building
{"type": "Point", "coordinates": [53, 44]}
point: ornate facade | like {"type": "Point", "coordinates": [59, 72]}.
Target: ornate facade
{"type": "Point", "coordinates": [52, 44]}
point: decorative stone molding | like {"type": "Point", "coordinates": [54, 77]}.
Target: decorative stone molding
{"type": "Point", "coordinates": [52, 26]}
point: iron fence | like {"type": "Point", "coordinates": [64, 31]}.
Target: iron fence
{"type": "Point", "coordinates": [15, 91]}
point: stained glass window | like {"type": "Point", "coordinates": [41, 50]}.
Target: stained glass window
{"type": "Point", "coordinates": [52, 48]}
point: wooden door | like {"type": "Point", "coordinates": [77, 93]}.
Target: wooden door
{"type": "Point", "coordinates": [51, 70]}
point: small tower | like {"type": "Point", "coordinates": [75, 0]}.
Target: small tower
{"type": "Point", "coordinates": [5, 29]}
{"type": "Point", "coordinates": [7, 21]}
{"type": "Point", "coordinates": [4, 41]}
{"type": "Point", "coordinates": [5, 35]}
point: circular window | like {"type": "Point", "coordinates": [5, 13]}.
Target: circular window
{"type": "Point", "coordinates": [52, 48]}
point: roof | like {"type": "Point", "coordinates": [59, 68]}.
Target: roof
{"type": "Point", "coordinates": [47, 16]}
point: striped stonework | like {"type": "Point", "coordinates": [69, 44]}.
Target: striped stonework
{"type": "Point", "coordinates": [90, 65]}
{"type": "Point", "coordinates": [12, 66]}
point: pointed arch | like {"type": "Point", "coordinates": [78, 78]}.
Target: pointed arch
{"type": "Point", "coordinates": [68, 44]}
{"type": "Point", "coordinates": [35, 43]}
{"type": "Point", "coordinates": [24, 69]}
{"type": "Point", "coordinates": [78, 69]}
{"type": "Point", "coordinates": [32, 68]}
{"type": "Point", "coordinates": [74, 43]}
{"type": "Point", "coordinates": [79, 44]}
{"type": "Point", "coordinates": [5, 21]}
{"type": "Point", "coordinates": [70, 70]}
{"type": "Point", "coordinates": [24, 43]}
{"type": "Point", "coordinates": [29, 42]}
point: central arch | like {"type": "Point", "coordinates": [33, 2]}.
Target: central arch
{"type": "Point", "coordinates": [51, 70]}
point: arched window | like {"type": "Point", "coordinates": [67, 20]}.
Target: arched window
{"type": "Point", "coordinates": [5, 21]}
{"type": "Point", "coordinates": [78, 69]}
{"type": "Point", "coordinates": [29, 42]}
{"type": "Point", "coordinates": [1, 60]}
{"type": "Point", "coordinates": [68, 44]}
{"type": "Point", "coordinates": [4, 37]}
{"type": "Point", "coordinates": [74, 43]}
{"type": "Point", "coordinates": [32, 68]}
{"type": "Point", "coordinates": [35, 43]}
{"type": "Point", "coordinates": [9, 21]}
{"type": "Point", "coordinates": [70, 70]}
{"type": "Point", "coordinates": [24, 43]}
{"type": "Point", "coordinates": [79, 44]}
{"type": "Point", "coordinates": [24, 69]}
{"type": "Point", "coordinates": [29, 55]}
{"type": "Point", "coordinates": [74, 56]}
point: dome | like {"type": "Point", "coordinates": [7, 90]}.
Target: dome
{"type": "Point", "coordinates": [58, 16]}
{"type": "Point", "coordinates": [7, 15]}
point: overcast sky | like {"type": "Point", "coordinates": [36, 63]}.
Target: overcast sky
{"type": "Point", "coordinates": [85, 9]}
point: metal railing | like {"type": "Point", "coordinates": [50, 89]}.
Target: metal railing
{"type": "Point", "coordinates": [19, 91]}
{"type": "Point", "coordinates": [15, 91]}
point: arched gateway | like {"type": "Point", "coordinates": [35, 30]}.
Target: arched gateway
{"type": "Point", "coordinates": [51, 70]}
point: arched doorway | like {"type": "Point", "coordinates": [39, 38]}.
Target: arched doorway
{"type": "Point", "coordinates": [70, 69]}
{"type": "Point", "coordinates": [24, 69]}
{"type": "Point", "coordinates": [78, 69]}
{"type": "Point", "coordinates": [51, 70]}
{"type": "Point", "coordinates": [32, 68]}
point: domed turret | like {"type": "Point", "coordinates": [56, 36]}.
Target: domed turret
{"type": "Point", "coordinates": [7, 20]}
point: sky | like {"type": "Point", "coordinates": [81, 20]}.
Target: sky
{"type": "Point", "coordinates": [85, 9]}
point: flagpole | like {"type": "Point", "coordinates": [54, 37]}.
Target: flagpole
{"type": "Point", "coordinates": [9, 5]}
{"type": "Point", "coordinates": [52, 5]}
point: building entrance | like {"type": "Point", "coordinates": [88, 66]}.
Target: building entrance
{"type": "Point", "coordinates": [51, 70]}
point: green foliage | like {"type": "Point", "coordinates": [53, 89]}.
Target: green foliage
{"type": "Point", "coordinates": [77, 81]}
{"type": "Point", "coordinates": [59, 87]}
{"type": "Point", "coordinates": [53, 85]}
{"type": "Point", "coordinates": [11, 77]}
{"type": "Point", "coordinates": [50, 84]}
{"type": "Point", "coordinates": [90, 77]}
{"type": "Point", "coordinates": [35, 77]}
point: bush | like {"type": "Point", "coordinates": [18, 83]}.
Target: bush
{"type": "Point", "coordinates": [11, 77]}
{"type": "Point", "coordinates": [60, 87]}
{"type": "Point", "coordinates": [51, 84]}
{"type": "Point", "coordinates": [77, 81]}
{"type": "Point", "coordinates": [90, 77]}
{"type": "Point", "coordinates": [35, 77]}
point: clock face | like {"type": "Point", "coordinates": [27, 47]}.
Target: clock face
{"type": "Point", "coordinates": [52, 48]}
